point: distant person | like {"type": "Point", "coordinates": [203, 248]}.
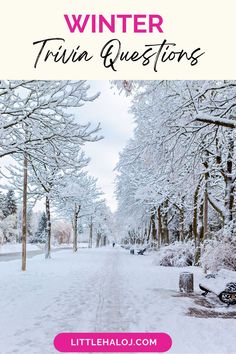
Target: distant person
{"type": "Point", "coordinates": [113, 244]}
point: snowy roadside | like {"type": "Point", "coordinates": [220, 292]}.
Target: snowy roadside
{"type": "Point", "coordinates": [13, 252]}
{"type": "Point", "coordinates": [17, 247]}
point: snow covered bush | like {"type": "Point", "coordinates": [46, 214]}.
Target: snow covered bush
{"type": "Point", "coordinates": [178, 254]}
{"type": "Point", "coordinates": [218, 254]}
{"type": "Point", "coordinates": [8, 227]}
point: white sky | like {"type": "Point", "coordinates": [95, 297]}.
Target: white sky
{"type": "Point", "coordinates": [111, 110]}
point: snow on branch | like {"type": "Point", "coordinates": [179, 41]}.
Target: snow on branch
{"type": "Point", "coordinates": [223, 122]}
{"type": "Point", "coordinates": [217, 205]}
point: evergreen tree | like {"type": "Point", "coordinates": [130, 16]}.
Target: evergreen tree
{"type": "Point", "coordinates": [40, 235]}
{"type": "Point", "coordinates": [2, 204]}
{"type": "Point", "coordinates": [29, 223]}
{"type": "Point", "coordinates": [10, 206]}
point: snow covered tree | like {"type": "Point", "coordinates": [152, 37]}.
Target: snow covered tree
{"type": "Point", "coordinates": [176, 176]}
{"type": "Point", "coordinates": [40, 235]}
{"type": "Point", "coordinates": [36, 123]}
{"type": "Point", "coordinates": [77, 199]}
{"type": "Point", "coordinates": [31, 110]}
{"type": "Point", "coordinates": [103, 225]}
{"type": "Point", "coordinates": [9, 204]}
{"type": "Point", "coordinates": [8, 227]}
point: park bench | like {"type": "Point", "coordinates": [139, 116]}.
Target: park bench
{"type": "Point", "coordinates": [227, 296]}
{"type": "Point", "coordinates": [141, 251]}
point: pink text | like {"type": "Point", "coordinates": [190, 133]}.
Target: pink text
{"type": "Point", "coordinates": [113, 23]}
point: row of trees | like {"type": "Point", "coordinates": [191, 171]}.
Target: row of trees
{"type": "Point", "coordinates": [177, 175]}
{"type": "Point", "coordinates": [40, 130]}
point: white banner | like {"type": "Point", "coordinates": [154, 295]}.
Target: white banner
{"type": "Point", "coordinates": [101, 39]}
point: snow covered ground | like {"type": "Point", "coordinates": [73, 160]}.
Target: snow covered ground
{"type": "Point", "coordinates": [102, 290]}
{"type": "Point", "coordinates": [17, 247]}
{"type": "Point", "coordinates": [12, 248]}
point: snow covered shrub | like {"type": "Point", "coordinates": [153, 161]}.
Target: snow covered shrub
{"type": "Point", "coordinates": [218, 254]}
{"type": "Point", "coordinates": [178, 254]}
{"type": "Point", "coordinates": [8, 228]}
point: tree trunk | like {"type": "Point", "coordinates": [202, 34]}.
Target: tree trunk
{"type": "Point", "coordinates": [153, 225]}
{"type": "Point", "coordinates": [190, 231]}
{"type": "Point", "coordinates": [205, 216]}
{"type": "Point", "coordinates": [91, 233]}
{"type": "Point", "coordinates": [181, 224]}
{"type": "Point", "coordinates": [148, 228]}
{"type": "Point", "coordinates": [201, 221]}
{"type": "Point", "coordinates": [24, 212]}
{"type": "Point", "coordinates": [229, 190]}
{"type": "Point", "coordinates": [48, 229]}
{"type": "Point", "coordinates": [205, 202]}
{"type": "Point", "coordinates": [145, 234]}
{"type": "Point", "coordinates": [195, 213]}
{"type": "Point", "coordinates": [98, 239]}
{"type": "Point", "coordinates": [159, 227]}
{"type": "Point", "coordinates": [200, 234]}
{"type": "Point", "coordinates": [195, 224]}
{"type": "Point", "coordinates": [165, 230]}
{"type": "Point", "coordinates": [104, 241]}
{"type": "Point", "coordinates": [75, 223]}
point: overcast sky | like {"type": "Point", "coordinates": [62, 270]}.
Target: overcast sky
{"type": "Point", "coordinates": [111, 110]}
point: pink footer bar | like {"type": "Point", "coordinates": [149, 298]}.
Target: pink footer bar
{"type": "Point", "coordinates": [112, 342]}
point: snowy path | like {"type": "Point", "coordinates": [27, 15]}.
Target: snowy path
{"type": "Point", "coordinates": [100, 290]}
